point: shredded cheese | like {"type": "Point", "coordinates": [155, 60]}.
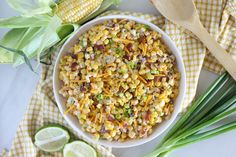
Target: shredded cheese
{"type": "Point", "coordinates": [149, 98]}
{"type": "Point", "coordinates": [101, 115]}
{"type": "Point", "coordinates": [159, 75]}
{"type": "Point", "coordinates": [151, 61]}
{"type": "Point", "coordinates": [95, 119]}
{"type": "Point", "coordinates": [82, 81]}
{"type": "Point", "coordinates": [144, 46]}
{"type": "Point", "coordinates": [151, 84]}
{"type": "Point", "coordinates": [126, 50]}
{"type": "Point", "coordinates": [110, 65]}
{"type": "Point", "coordinates": [107, 91]}
{"type": "Point", "coordinates": [126, 41]}
{"type": "Point", "coordinates": [103, 75]}
{"type": "Point", "coordinates": [136, 92]}
{"type": "Point", "coordinates": [70, 108]}
{"type": "Point", "coordinates": [82, 101]}
{"type": "Point", "coordinates": [142, 79]}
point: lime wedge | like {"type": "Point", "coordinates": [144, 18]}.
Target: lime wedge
{"type": "Point", "coordinates": [79, 149]}
{"type": "Point", "coordinates": [51, 138]}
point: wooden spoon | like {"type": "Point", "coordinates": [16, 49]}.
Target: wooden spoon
{"type": "Point", "coordinates": [183, 13]}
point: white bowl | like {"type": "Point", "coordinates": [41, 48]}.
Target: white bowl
{"type": "Point", "coordinates": [73, 121]}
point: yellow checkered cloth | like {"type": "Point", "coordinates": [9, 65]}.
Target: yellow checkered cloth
{"type": "Point", "coordinates": [218, 16]}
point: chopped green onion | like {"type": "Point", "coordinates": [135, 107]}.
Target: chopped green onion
{"type": "Point", "coordinates": [144, 97]}
{"type": "Point", "coordinates": [118, 116]}
{"type": "Point", "coordinates": [119, 52]}
{"type": "Point", "coordinates": [126, 105]}
{"type": "Point", "coordinates": [155, 72]}
{"type": "Point", "coordinates": [121, 95]}
{"type": "Point", "coordinates": [111, 41]}
{"type": "Point", "coordinates": [100, 97]}
{"type": "Point", "coordinates": [131, 65]}
{"type": "Point", "coordinates": [149, 76]}
{"type": "Point", "coordinates": [147, 27]}
{"type": "Point", "coordinates": [127, 112]}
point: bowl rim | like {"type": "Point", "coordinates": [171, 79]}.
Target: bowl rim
{"type": "Point", "coordinates": [178, 101]}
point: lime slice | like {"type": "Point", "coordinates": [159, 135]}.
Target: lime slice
{"type": "Point", "coordinates": [51, 138]}
{"type": "Point", "coordinates": [79, 149]}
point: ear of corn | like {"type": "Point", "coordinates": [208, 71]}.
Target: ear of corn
{"type": "Point", "coordinates": [71, 11]}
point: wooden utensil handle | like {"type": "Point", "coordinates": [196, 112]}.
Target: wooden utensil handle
{"type": "Point", "coordinates": [220, 54]}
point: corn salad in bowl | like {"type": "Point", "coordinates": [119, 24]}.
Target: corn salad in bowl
{"type": "Point", "coordinates": [120, 80]}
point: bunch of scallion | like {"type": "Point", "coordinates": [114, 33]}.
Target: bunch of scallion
{"type": "Point", "coordinates": [43, 26]}
{"type": "Point", "coordinates": [217, 103]}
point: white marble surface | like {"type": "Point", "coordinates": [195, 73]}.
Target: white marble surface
{"type": "Point", "coordinates": [17, 86]}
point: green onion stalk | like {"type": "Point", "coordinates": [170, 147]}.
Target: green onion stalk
{"type": "Point", "coordinates": [214, 105]}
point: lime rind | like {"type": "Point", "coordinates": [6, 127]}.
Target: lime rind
{"type": "Point", "coordinates": [51, 138]}
{"type": "Point", "coordinates": [52, 125]}
{"type": "Point", "coordinates": [79, 149]}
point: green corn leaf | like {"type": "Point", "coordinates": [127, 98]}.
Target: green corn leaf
{"type": "Point", "coordinates": [43, 39]}
{"type": "Point", "coordinates": [29, 36]}
{"type": "Point", "coordinates": [11, 39]}
{"type": "Point", "coordinates": [64, 32]}
{"type": "Point", "coordinates": [23, 22]}
{"type": "Point", "coordinates": [32, 7]}
{"type": "Point", "coordinates": [49, 32]}
{"type": "Point", "coordinates": [46, 2]}
{"type": "Point", "coordinates": [54, 33]}
{"type": "Point", "coordinates": [21, 53]}
{"type": "Point", "coordinates": [35, 41]}
{"type": "Point", "coordinates": [21, 39]}
{"type": "Point", "coordinates": [26, 40]}
{"type": "Point", "coordinates": [31, 41]}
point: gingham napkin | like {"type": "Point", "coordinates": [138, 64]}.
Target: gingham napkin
{"type": "Point", "coordinates": [218, 16]}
